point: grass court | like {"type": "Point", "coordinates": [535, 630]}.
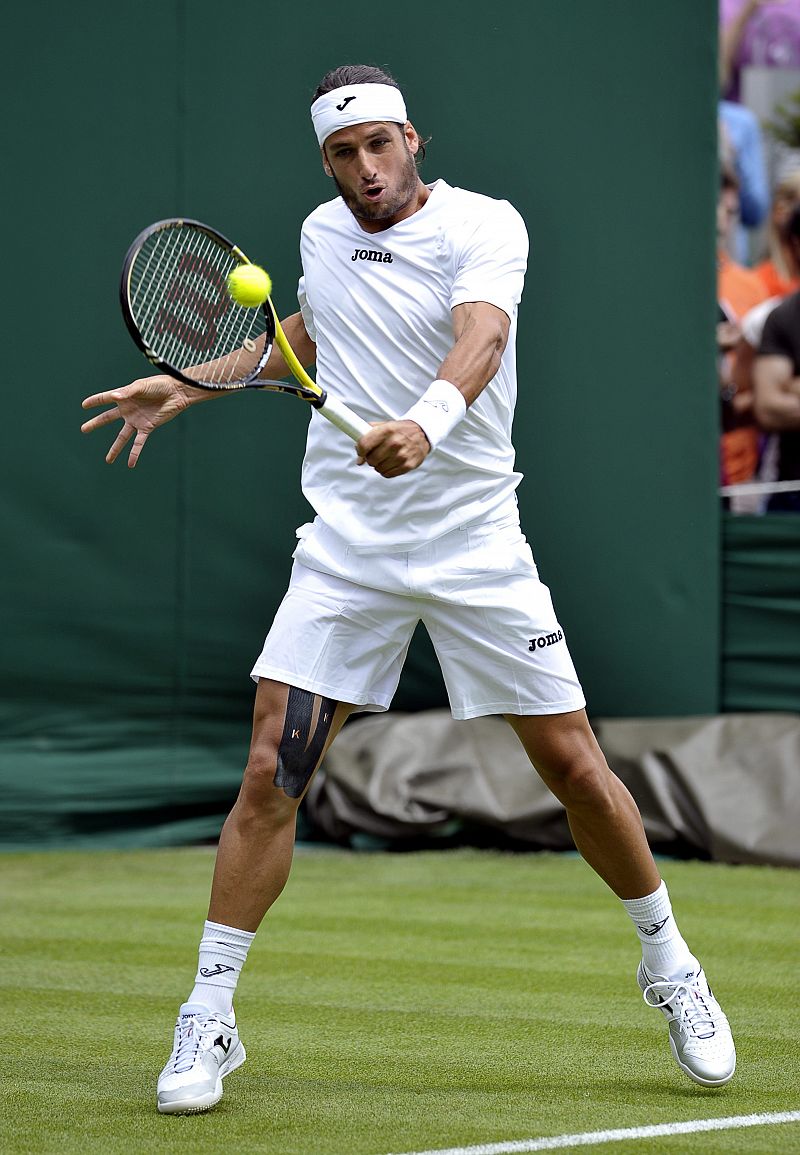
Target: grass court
{"type": "Point", "coordinates": [391, 1003]}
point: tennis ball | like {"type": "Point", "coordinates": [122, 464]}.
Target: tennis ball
{"type": "Point", "coordinates": [249, 285]}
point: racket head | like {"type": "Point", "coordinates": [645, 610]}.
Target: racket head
{"type": "Point", "coordinates": [176, 305]}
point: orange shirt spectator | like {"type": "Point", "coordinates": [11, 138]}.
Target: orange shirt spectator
{"type": "Point", "coordinates": [773, 282]}
{"type": "Point", "coordinates": [738, 291]}
{"type": "Point", "coordinates": [738, 288]}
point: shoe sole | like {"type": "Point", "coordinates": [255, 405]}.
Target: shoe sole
{"type": "Point", "coordinates": [205, 1102]}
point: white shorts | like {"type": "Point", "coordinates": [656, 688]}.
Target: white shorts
{"type": "Point", "coordinates": [344, 627]}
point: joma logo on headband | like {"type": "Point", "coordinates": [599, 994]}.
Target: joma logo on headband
{"type": "Point", "coordinates": [372, 255]}
{"type": "Point", "coordinates": [341, 107]}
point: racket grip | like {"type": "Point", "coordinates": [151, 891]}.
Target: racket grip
{"type": "Point", "coordinates": [343, 417]}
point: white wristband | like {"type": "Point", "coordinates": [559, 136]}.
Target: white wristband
{"type": "Point", "coordinates": [439, 409]}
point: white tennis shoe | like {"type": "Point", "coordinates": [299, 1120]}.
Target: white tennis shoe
{"type": "Point", "coordinates": [699, 1034]}
{"type": "Point", "coordinates": [206, 1049]}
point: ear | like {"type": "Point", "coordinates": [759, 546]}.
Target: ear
{"type": "Point", "coordinates": [412, 137]}
{"type": "Point", "coordinates": [325, 165]}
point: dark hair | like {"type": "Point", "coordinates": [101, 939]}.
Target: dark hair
{"type": "Point", "coordinates": [728, 177]}
{"type": "Point", "coordinates": [352, 74]}
{"type": "Point", "coordinates": [792, 228]}
{"type": "Point", "coordinates": [361, 74]}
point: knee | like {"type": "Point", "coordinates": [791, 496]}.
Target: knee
{"type": "Point", "coordinates": [261, 797]}
{"type": "Point", "coordinates": [580, 780]}
{"type": "Point", "coordinates": [584, 781]}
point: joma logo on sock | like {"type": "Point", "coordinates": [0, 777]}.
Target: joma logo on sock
{"type": "Point", "coordinates": [372, 255]}
{"type": "Point", "coordinates": [545, 640]}
{"type": "Point", "coordinates": [654, 927]}
{"type": "Point", "coordinates": [218, 969]}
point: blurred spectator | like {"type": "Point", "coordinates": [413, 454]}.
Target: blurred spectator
{"type": "Point", "coordinates": [739, 290]}
{"type": "Point", "coordinates": [780, 273]}
{"type": "Point", "coordinates": [750, 328]}
{"type": "Point", "coordinates": [776, 378]}
{"type": "Point", "coordinates": [756, 34]}
{"type": "Point", "coordinates": [741, 134]}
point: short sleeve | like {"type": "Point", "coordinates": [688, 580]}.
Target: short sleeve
{"type": "Point", "coordinates": [775, 340]}
{"type": "Point", "coordinates": [492, 259]}
{"type": "Point", "coordinates": [305, 309]}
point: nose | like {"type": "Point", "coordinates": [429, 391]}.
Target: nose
{"type": "Point", "coordinates": [366, 166]}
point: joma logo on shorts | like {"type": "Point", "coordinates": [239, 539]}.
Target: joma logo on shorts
{"type": "Point", "coordinates": [372, 255]}
{"type": "Point", "coordinates": [545, 640]}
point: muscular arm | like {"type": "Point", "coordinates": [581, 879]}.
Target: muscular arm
{"type": "Point", "coordinates": [777, 393]}
{"type": "Point", "coordinates": [298, 338]}
{"type": "Point", "coordinates": [480, 333]}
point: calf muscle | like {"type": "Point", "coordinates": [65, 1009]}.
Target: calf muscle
{"type": "Point", "coordinates": [292, 729]}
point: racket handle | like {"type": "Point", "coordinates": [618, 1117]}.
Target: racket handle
{"type": "Point", "coordinates": [343, 417]}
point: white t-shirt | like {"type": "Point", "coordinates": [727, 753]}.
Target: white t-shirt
{"type": "Point", "coordinates": [378, 306]}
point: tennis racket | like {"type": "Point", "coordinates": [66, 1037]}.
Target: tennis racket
{"type": "Point", "coordinates": [177, 307]}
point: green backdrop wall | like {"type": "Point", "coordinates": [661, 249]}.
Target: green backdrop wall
{"type": "Point", "coordinates": [134, 601]}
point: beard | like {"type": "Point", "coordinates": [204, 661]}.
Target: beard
{"type": "Point", "coordinates": [400, 198]}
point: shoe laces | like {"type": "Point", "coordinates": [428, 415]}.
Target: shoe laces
{"type": "Point", "coordinates": [190, 1032]}
{"type": "Point", "coordinates": [687, 1001]}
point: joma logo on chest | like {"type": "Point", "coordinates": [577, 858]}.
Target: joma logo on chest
{"type": "Point", "coordinates": [372, 255]}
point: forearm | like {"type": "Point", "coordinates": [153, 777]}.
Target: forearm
{"type": "Point", "coordinates": [780, 410]}
{"type": "Point", "coordinates": [304, 348]}
{"type": "Point", "coordinates": [241, 362]}
{"type": "Point", "coordinates": [729, 41]}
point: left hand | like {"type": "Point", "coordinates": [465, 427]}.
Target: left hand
{"type": "Point", "coordinates": [393, 448]}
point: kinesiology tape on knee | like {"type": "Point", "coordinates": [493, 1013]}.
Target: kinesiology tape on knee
{"type": "Point", "coordinates": [305, 730]}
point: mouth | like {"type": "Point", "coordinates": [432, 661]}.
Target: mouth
{"type": "Point", "coordinates": [373, 192]}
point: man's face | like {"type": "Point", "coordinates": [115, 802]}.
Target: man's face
{"type": "Point", "coordinates": [727, 213]}
{"type": "Point", "coordinates": [374, 170]}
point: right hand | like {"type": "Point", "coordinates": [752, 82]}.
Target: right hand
{"type": "Point", "coordinates": [393, 447]}
{"type": "Point", "coordinates": [142, 406]}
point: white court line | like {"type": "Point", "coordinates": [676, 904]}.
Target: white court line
{"type": "Point", "coordinates": [589, 1138]}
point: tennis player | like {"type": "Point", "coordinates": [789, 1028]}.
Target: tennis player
{"type": "Point", "coordinates": [408, 306]}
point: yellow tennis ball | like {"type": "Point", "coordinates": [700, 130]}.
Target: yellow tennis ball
{"type": "Point", "coordinates": [249, 285]}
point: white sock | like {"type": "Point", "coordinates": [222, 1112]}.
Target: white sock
{"type": "Point", "coordinates": [223, 950]}
{"type": "Point", "coordinates": [664, 951]}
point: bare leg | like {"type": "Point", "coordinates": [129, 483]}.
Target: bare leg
{"type": "Point", "coordinates": [603, 817]}
{"type": "Point", "coordinates": [257, 840]}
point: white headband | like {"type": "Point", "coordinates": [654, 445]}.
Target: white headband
{"type": "Point", "coordinates": [356, 104]}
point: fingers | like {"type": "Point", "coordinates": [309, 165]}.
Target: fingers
{"type": "Point", "coordinates": [101, 419]}
{"type": "Point", "coordinates": [393, 448]}
{"type": "Point", "coordinates": [136, 449]}
{"type": "Point", "coordinates": [115, 398]}
{"type": "Point", "coordinates": [121, 440]}
{"type": "Point", "coordinates": [111, 397]}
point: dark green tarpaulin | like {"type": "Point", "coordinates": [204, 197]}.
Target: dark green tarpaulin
{"type": "Point", "coordinates": [761, 613]}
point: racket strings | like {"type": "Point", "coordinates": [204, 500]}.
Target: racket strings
{"type": "Point", "coordinates": [179, 300]}
{"type": "Point", "coordinates": [191, 304]}
{"type": "Point", "coordinates": [148, 283]}
{"type": "Point", "coordinates": [189, 316]}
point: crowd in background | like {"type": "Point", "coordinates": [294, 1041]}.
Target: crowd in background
{"type": "Point", "coordinates": [758, 247]}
